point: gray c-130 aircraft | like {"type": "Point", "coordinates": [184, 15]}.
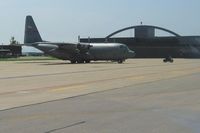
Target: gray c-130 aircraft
{"type": "Point", "coordinates": [75, 52]}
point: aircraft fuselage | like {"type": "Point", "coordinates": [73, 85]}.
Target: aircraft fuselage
{"type": "Point", "coordinates": [98, 51]}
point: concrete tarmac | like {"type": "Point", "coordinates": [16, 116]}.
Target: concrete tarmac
{"type": "Point", "coordinates": [140, 96]}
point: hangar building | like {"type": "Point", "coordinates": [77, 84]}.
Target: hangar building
{"type": "Point", "coordinates": [147, 45]}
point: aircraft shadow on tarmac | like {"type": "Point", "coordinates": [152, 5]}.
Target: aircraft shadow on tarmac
{"type": "Point", "coordinates": [64, 63]}
{"type": "Point", "coordinates": [68, 63]}
{"type": "Point", "coordinates": [33, 62]}
{"type": "Point", "coordinates": [44, 63]}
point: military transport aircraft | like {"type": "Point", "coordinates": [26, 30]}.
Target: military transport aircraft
{"type": "Point", "coordinates": [75, 52]}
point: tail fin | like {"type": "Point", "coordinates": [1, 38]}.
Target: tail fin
{"type": "Point", "coordinates": [31, 32]}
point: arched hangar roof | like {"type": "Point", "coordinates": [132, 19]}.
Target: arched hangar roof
{"type": "Point", "coordinates": [143, 26]}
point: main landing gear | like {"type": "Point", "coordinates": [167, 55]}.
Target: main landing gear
{"type": "Point", "coordinates": [80, 61]}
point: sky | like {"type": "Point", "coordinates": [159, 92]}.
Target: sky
{"type": "Point", "coordinates": [65, 20]}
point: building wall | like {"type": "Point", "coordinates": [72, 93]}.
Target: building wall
{"type": "Point", "coordinates": [157, 47]}
{"type": "Point", "coordinates": [144, 32]}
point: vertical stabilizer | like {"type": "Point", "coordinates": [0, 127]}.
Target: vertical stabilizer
{"type": "Point", "coordinates": [31, 32]}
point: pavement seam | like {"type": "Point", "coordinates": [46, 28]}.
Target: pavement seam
{"type": "Point", "coordinates": [61, 128]}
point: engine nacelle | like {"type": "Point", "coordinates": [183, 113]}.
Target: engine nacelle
{"type": "Point", "coordinates": [83, 48]}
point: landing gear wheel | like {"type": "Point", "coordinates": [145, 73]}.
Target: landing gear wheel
{"type": "Point", "coordinates": [87, 61]}
{"type": "Point", "coordinates": [80, 61]}
{"type": "Point", "coordinates": [165, 60]}
{"type": "Point", "coordinates": [171, 61]}
{"type": "Point", "coordinates": [168, 59]}
{"type": "Point", "coordinates": [120, 61]}
{"type": "Point", "coordinates": [73, 61]}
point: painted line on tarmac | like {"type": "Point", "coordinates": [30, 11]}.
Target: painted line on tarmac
{"type": "Point", "coordinates": [61, 89]}
{"type": "Point", "coordinates": [61, 128]}
{"type": "Point", "coordinates": [23, 92]}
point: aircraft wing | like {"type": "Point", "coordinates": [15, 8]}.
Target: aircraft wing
{"type": "Point", "coordinates": [71, 47]}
